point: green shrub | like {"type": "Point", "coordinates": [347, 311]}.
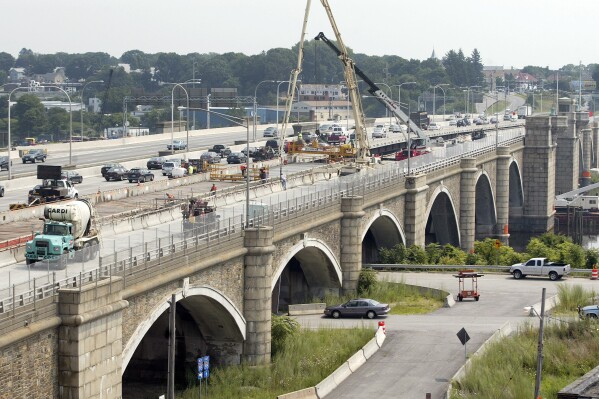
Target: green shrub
{"type": "Point", "coordinates": [395, 255]}
{"type": "Point", "coordinates": [592, 257]}
{"type": "Point", "coordinates": [366, 281]}
{"type": "Point", "coordinates": [415, 255]}
{"type": "Point", "coordinates": [282, 327]}
{"type": "Point", "coordinates": [433, 253]}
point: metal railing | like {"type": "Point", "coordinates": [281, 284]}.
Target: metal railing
{"type": "Point", "coordinates": [82, 268]}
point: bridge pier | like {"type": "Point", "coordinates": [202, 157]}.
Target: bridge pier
{"type": "Point", "coordinates": [539, 177]}
{"type": "Point", "coordinates": [502, 194]}
{"type": "Point", "coordinates": [468, 203]}
{"type": "Point", "coordinates": [351, 243]}
{"type": "Point", "coordinates": [415, 210]}
{"type": "Point", "coordinates": [587, 146]}
{"type": "Point", "coordinates": [90, 342]}
{"type": "Point", "coordinates": [595, 129]}
{"type": "Point", "coordinates": [257, 299]}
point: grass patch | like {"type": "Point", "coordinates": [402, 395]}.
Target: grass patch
{"type": "Point", "coordinates": [572, 296]}
{"type": "Point", "coordinates": [507, 369]}
{"type": "Point", "coordinates": [304, 360]}
{"type": "Point", "coordinates": [497, 107]}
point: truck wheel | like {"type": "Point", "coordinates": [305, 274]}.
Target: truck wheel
{"type": "Point", "coordinates": [517, 274]}
{"type": "Point", "coordinates": [553, 276]}
{"type": "Point", "coordinates": [29, 262]}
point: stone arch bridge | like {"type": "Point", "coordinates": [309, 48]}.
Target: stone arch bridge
{"type": "Point", "coordinates": [109, 326]}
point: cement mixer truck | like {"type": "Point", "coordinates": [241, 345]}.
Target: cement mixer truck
{"type": "Point", "coordinates": [68, 227]}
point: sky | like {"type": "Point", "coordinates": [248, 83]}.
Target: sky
{"type": "Point", "coordinates": [543, 33]}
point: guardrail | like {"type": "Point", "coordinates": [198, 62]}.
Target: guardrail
{"type": "Point", "coordinates": [137, 260]}
{"type": "Point", "coordinates": [15, 242]}
{"type": "Point", "coordinates": [382, 266]}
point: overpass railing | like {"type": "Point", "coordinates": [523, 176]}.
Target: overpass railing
{"type": "Point", "coordinates": [205, 234]}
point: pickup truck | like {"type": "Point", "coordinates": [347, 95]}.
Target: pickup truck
{"type": "Point", "coordinates": [540, 267]}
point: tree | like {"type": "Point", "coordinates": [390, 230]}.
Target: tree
{"type": "Point", "coordinates": [30, 113]}
{"type": "Point", "coordinates": [137, 59]}
{"type": "Point", "coordinates": [476, 78]}
{"type": "Point", "coordinates": [6, 62]}
{"type": "Point", "coordinates": [58, 122]}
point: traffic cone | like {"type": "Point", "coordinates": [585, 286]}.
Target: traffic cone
{"type": "Point", "coordinates": [382, 325]}
{"type": "Point", "coordinates": [594, 273]}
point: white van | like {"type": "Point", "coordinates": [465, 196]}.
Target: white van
{"type": "Point", "coordinates": [167, 167]}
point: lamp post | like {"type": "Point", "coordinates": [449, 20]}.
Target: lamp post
{"type": "Point", "coordinates": [399, 91]}
{"type": "Point", "coordinates": [208, 111]}
{"type": "Point", "coordinates": [247, 159]}
{"type": "Point", "coordinates": [434, 97]}
{"type": "Point", "coordinates": [81, 110]}
{"type": "Point", "coordinates": [391, 96]}
{"type": "Point", "coordinates": [193, 76]}
{"type": "Point", "coordinates": [9, 137]}
{"type": "Point", "coordinates": [173, 116]}
{"type": "Point", "coordinates": [70, 121]}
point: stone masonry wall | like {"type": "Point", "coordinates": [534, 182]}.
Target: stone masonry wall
{"type": "Point", "coordinates": [29, 368]}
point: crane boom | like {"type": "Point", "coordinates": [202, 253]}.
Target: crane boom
{"type": "Point", "coordinates": [361, 144]}
{"type": "Point", "coordinates": [379, 94]}
{"type": "Point", "coordinates": [292, 84]}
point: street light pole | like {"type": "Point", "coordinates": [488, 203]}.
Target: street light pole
{"type": "Point", "coordinates": [440, 87]}
{"type": "Point", "coordinates": [399, 91]}
{"type": "Point", "coordinates": [173, 114]}
{"type": "Point", "coordinates": [70, 122]}
{"type": "Point", "coordinates": [390, 96]}
{"type": "Point", "coordinates": [208, 109]}
{"type": "Point", "coordinates": [247, 159]}
{"type": "Point", "coordinates": [81, 110]}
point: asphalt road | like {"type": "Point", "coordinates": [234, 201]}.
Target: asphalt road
{"type": "Point", "coordinates": [422, 353]}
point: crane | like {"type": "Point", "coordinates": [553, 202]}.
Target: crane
{"type": "Point", "coordinates": [380, 95]}
{"type": "Point", "coordinates": [292, 85]}
{"type": "Point", "coordinates": [349, 72]}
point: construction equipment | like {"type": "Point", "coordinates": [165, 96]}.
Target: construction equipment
{"type": "Point", "coordinates": [349, 72]}
{"type": "Point", "coordinates": [352, 70]}
{"type": "Point", "coordinates": [473, 276]}
{"type": "Point", "coordinates": [67, 228]}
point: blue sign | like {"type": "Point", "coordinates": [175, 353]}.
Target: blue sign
{"type": "Point", "coordinates": [206, 373]}
{"type": "Point", "coordinates": [206, 362]}
{"type": "Point", "coordinates": [200, 375]}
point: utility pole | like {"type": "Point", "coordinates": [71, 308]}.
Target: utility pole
{"type": "Point", "coordinates": [540, 349]}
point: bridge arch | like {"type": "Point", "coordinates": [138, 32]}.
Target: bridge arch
{"type": "Point", "coordinates": [383, 230]}
{"type": "Point", "coordinates": [485, 209]}
{"type": "Point", "coordinates": [442, 224]}
{"type": "Point", "coordinates": [217, 321]}
{"type": "Point", "coordinates": [516, 191]}
{"type": "Point", "coordinates": [308, 269]}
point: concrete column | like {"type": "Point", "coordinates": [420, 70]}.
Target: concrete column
{"type": "Point", "coordinates": [468, 203]}
{"type": "Point", "coordinates": [538, 177]}
{"type": "Point", "coordinates": [257, 294]}
{"type": "Point", "coordinates": [563, 128]}
{"type": "Point", "coordinates": [595, 129]}
{"type": "Point", "coordinates": [502, 193]}
{"type": "Point", "coordinates": [351, 243]}
{"type": "Point", "coordinates": [587, 146]}
{"type": "Point", "coordinates": [90, 340]}
{"type": "Point", "coordinates": [415, 210]}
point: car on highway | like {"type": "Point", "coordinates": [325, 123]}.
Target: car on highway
{"type": "Point", "coordinates": [34, 155]}
{"type": "Point", "coordinates": [155, 162]}
{"type": "Point", "coordinates": [453, 122]}
{"type": "Point", "coordinates": [140, 175]}
{"type": "Point", "coordinates": [359, 307]}
{"type": "Point", "coordinates": [72, 176]}
{"type": "Point", "coordinates": [494, 120]}
{"type": "Point", "coordinates": [177, 145]}
{"type": "Point", "coordinates": [589, 312]}
{"type": "Point", "coordinates": [210, 157]}
{"type": "Point", "coordinates": [506, 117]}
{"type": "Point", "coordinates": [116, 173]}
{"type": "Point", "coordinates": [434, 126]}
{"type": "Point", "coordinates": [220, 149]}
{"type": "Point", "coordinates": [270, 132]}
{"type": "Point", "coordinates": [4, 163]}
{"type": "Point", "coordinates": [379, 132]}
{"type": "Point", "coordinates": [236, 157]}
{"type": "Point", "coordinates": [252, 151]}
{"type": "Point", "coordinates": [109, 166]}
{"type": "Point", "coordinates": [1, 190]}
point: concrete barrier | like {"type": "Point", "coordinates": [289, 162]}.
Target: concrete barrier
{"type": "Point", "coordinates": [449, 301]}
{"type": "Point", "coordinates": [550, 303]}
{"type": "Point", "coordinates": [370, 348]}
{"type": "Point", "coordinates": [306, 308]}
{"type": "Point", "coordinates": [308, 393]}
{"type": "Point", "coordinates": [7, 258]}
{"type": "Point", "coordinates": [357, 360]}
{"type": "Point", "coordinates": [380, 336]}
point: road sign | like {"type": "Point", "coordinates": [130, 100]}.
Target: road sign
{"type": "Point", "coordinates": [497, 244]}
{"type": "Point", "coordinates": [463, 336]}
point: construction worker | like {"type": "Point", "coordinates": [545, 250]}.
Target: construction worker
{"type": "Point", "coordinates": [213, 189]}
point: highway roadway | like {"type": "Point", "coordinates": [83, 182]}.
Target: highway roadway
{"type": "Point", "coordinates": [422, 352]}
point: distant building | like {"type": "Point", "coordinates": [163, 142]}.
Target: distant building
{"type": "Point", "coordinates": [16, 75]}
{"type": "Point", "coordinates": [324, 110]}
{"type": "Point", "coordinates": [525, 82]}
{"type": "Point", "coordinates": [57, 77]}
{"type": "Point", "coordinates": [491, 73]}
{"type": "Point", "coordinates": [321, 92]}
